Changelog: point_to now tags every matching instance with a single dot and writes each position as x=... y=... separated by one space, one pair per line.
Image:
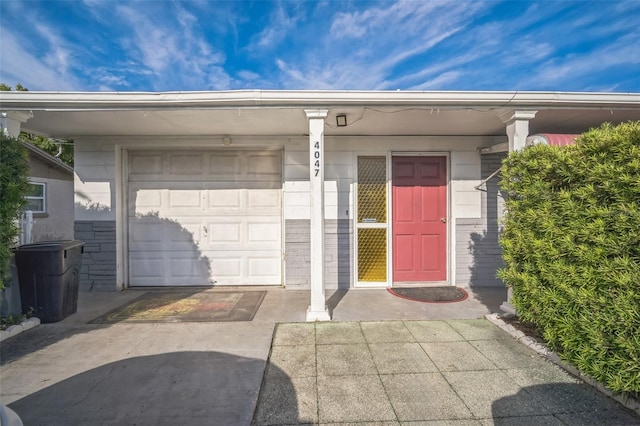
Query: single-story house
x=301 y=189
x=50 y=201
x=50 y=198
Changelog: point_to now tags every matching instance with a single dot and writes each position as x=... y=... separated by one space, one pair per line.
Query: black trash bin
x=49 y=274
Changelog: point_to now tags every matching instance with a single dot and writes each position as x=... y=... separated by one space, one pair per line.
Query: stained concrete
x=376 y=368
x=450 y=373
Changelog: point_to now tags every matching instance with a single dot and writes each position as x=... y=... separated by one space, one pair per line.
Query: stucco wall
x=57 y=222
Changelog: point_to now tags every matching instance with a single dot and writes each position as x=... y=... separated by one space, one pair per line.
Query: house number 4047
x=316 y=158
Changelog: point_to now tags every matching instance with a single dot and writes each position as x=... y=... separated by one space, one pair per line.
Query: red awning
x=554 y=139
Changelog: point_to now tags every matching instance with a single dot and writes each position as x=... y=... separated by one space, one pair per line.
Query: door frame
x=449 y=231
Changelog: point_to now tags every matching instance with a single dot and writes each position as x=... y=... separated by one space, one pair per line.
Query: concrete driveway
x=379 y=362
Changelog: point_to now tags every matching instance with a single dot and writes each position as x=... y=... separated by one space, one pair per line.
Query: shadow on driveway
x=195 y=388
x=559 y=404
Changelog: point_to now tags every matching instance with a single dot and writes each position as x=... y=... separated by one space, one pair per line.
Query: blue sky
x=102 y=45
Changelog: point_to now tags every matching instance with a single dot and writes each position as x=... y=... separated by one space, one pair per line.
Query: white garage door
x=205 y=217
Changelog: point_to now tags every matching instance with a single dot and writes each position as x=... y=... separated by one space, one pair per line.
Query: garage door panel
x=256 y=233
x=235 y=268
x=186 y=165
x=141 y=232
x=205 y=217
x=222 y=200
x=189 y=268
x=263 y=267
x=184 y=199
x=146 y=199
x=160 y=233
x=224 y=165
x=227 y=267
x=224 y=233
x=150 y=269
x=264 y=166
x=261 y=233
x=145 y=166
x=147 y=267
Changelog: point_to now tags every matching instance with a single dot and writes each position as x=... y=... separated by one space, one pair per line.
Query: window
x=372 y=219
x=36 y=198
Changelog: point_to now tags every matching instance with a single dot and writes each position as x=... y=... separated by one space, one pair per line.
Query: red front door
x=419 y=219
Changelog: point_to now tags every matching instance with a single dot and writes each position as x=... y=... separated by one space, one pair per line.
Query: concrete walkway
x=455 y=372
x=380 y=361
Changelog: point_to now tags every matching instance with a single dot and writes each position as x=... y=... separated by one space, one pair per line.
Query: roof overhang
x=259 y=112
x=48 y=159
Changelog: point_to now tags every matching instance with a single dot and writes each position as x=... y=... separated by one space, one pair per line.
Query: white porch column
x=317 y=310
x=517 y=127
x=11 y=121
x=517 y=130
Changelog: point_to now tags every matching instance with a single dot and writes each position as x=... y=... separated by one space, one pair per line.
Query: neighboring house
x=302 y=189
x=50 y=197
x=51 y=202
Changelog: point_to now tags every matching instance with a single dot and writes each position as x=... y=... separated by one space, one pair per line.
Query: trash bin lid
x=50 y=245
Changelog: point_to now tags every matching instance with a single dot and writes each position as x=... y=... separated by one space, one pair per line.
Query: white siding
x=465 y=174
x=94 y=182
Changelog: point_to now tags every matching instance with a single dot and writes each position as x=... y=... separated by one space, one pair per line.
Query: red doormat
x=174 y=306
x=445 y=294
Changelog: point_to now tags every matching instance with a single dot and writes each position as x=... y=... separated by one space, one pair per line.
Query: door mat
x=206 y=306
x=446 y=294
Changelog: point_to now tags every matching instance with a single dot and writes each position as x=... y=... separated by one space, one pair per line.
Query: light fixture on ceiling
x=341 y=120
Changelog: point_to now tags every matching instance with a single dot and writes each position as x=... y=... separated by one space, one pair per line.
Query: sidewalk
x=379 y=361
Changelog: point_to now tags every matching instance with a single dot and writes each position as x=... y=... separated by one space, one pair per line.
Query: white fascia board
x=79 y=101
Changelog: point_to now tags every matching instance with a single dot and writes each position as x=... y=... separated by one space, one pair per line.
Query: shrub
x=14 y=169
x=571 y=247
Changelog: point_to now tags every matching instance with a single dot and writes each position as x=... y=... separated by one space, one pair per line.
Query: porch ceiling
x=282 y=113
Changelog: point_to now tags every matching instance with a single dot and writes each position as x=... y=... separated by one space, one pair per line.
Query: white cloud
x=405 y=14
x=281 y=22
x=405 y=44
x=58 y=56
x=175 y=51
x=20 y=66
x=438 y=83
x=560 y=71
x=248 y=75
x=366 y=48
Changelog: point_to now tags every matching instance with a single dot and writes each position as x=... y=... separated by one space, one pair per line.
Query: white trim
x=122 y=222
x=356 y=225
x=92 y=101
x=283 y=247
x=43 y=197
x=317 y=310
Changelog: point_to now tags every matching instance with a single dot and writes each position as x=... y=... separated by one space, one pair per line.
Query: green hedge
x=571 y=247
x=14 y=169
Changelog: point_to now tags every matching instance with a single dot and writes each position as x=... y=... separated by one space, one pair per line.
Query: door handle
x=443 y=219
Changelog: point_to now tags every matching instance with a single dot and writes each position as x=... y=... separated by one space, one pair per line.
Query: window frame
x=43 y=197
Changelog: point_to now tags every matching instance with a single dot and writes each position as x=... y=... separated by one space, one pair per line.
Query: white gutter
x=84 y=101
